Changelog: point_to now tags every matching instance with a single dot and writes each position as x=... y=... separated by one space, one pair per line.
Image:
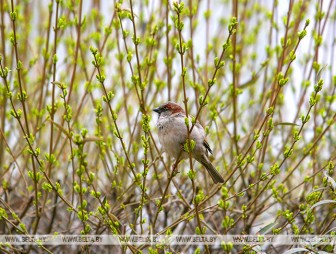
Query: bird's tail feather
x=216 y=177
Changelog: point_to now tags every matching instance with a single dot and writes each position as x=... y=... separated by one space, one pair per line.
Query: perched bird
x=173 y=134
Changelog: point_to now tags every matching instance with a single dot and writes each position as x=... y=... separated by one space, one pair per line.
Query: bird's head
x=169 y=108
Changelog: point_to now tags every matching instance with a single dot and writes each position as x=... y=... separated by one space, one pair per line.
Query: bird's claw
x=175 y=170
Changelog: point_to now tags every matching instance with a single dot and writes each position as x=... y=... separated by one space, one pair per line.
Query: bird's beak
x=157 y=110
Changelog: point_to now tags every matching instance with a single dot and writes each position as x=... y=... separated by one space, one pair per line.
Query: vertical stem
x=235 y=79
x=181 y=51
x=52 y=112
x=191 y=50
x=207 y=31
x=168 y=59
x=143 y=110
x=4 y=103
x=185 y=97
x=25 y=114
x=79 y=25
x=45 y=63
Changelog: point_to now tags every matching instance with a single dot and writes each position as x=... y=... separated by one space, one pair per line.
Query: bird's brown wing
x=206 y=145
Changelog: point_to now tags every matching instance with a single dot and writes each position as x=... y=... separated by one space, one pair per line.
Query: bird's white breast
x=173 y=135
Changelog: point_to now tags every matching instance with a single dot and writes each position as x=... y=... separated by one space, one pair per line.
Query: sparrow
x=173 y=134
